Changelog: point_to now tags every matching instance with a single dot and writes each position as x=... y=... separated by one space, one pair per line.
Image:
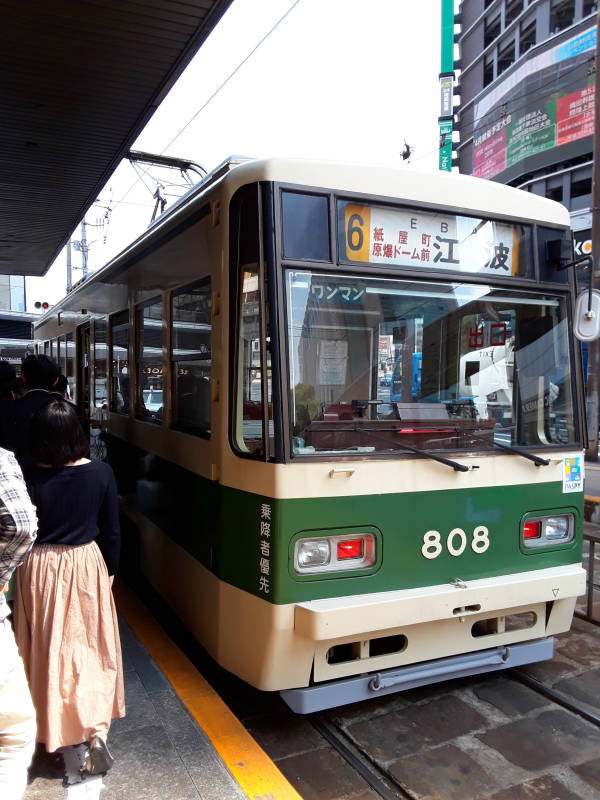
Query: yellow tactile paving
x=254 y=771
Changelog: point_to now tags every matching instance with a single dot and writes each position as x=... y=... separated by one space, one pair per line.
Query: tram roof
x=460 y=192
x=81 y=80
x=463 y=193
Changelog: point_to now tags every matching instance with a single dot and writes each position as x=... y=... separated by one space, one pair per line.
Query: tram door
x=84 y=353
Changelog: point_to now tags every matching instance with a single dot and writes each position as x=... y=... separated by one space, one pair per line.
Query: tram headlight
x=546 y=531
x=311 y=553
x=336 y=553
x=556 y=528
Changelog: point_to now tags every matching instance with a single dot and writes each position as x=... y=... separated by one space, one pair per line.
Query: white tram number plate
x=456 y=542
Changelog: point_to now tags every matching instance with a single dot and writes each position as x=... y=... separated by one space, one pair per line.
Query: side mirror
x=586 y=323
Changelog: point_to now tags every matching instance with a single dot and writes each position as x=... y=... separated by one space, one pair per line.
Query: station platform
x=178 y=741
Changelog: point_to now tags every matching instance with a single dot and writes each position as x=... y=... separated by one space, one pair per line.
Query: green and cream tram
x=317 y=536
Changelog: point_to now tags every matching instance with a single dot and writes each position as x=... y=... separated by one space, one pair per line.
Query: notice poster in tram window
x=416 y=238
x=333 y=357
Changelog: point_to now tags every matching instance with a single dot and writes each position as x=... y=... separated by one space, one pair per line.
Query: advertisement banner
x=547 y=102
x=582 y=242
x=489 y=158
x=575 y=116
x=531 y=133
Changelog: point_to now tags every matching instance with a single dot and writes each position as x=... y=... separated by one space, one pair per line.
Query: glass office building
x=12 y=293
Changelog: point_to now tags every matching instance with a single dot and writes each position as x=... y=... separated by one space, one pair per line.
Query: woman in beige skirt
x=65 y=619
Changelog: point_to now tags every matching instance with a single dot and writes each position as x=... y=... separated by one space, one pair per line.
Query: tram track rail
x=369 y=771
x=569 y=704
x=388 y=788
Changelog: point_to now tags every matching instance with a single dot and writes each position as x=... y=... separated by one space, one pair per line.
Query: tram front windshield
x=376 y=364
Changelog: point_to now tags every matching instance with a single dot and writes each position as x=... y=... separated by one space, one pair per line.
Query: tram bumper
x=367 y=686
x=369 y=633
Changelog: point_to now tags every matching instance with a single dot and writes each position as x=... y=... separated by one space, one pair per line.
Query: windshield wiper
x=539 y=462
x=447 y=461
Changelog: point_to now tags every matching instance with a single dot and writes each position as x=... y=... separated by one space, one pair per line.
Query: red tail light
x=532 y=530
x=349 y=548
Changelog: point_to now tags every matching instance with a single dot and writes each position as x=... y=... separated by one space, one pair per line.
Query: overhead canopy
x=80 y=79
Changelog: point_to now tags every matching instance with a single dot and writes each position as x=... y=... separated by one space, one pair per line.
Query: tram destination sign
x=416 y=238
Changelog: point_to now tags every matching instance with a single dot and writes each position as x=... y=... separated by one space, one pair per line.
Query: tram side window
x=250 y=391
x=100 y=364
x=62 y=355
x=191 y=357
x=549 y=241
x=70 y=365
x=249 y=411
x=119 y=355
x=150 y=338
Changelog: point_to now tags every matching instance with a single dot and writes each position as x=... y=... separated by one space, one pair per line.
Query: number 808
x=456 y=542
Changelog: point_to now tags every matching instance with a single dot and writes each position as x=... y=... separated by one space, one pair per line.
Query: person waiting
x=64 y=611
x=18 y=525
x=7 y=377
x=39 y=375
x=61 y=387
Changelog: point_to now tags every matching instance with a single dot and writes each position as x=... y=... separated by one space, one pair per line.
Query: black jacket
x=14 y=422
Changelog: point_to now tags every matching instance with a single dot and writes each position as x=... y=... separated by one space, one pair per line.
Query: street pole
x=593 y=376
x=446 y=118
x=84 y=249
x=69 y=268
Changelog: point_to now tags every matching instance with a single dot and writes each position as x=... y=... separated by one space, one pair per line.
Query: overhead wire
x=230 y=76
x=141 y=176
x=472 y=125
x=216 y=92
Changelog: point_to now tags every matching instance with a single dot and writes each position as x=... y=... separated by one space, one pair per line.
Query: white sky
x=337 y=79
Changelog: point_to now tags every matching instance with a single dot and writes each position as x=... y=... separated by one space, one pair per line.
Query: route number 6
x=456 y=542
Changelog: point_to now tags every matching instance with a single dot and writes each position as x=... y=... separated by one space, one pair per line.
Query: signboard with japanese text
x=575 y=115
x=530 y=134
x=545 y=103
x=489 y=157
x=446 y=85
x=333 y=359
x=416 y=238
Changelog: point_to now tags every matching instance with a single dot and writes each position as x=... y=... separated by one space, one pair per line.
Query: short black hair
x=56 y=436
x=40 y=372
x=61 y=384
